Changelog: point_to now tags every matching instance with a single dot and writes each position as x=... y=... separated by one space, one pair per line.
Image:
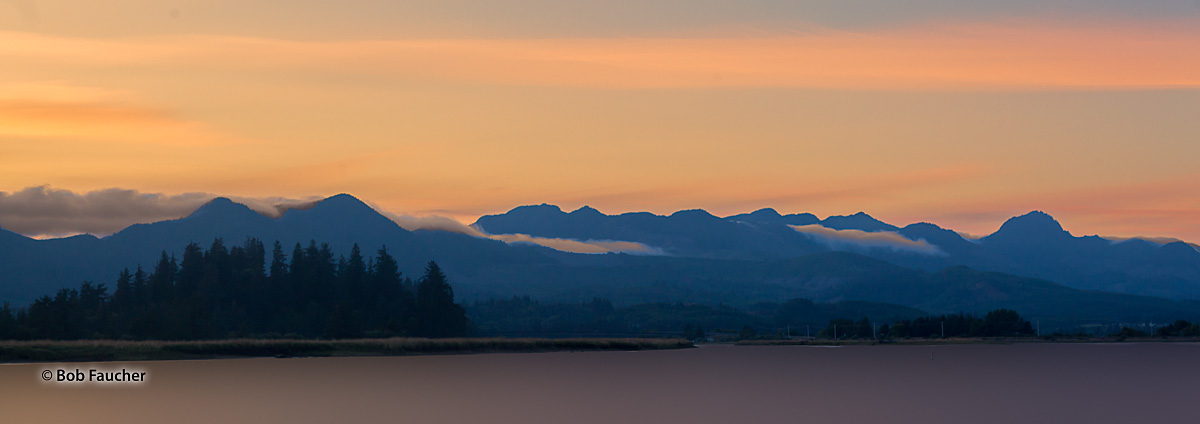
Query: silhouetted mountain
x=735 y=261
x=1034 y=227
x=858 y=221
x=949 y=241
x=35 y=267
x=770 y=216
x=1032 y=245
x=693 y=233
x=833 y=277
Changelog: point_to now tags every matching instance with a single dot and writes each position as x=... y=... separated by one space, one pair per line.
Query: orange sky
x=963 y=121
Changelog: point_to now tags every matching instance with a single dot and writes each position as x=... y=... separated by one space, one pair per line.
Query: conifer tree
x=437 y=314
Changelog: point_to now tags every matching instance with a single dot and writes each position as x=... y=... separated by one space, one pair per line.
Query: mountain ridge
x=713 y=259
x=1033 y=245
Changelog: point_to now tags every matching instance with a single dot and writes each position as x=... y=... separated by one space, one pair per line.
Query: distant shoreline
x=119 y=350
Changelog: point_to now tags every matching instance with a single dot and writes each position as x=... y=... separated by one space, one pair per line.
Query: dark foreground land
x=113 y=350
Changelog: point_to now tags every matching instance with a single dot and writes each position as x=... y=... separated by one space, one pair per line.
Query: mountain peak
x=544 y=208
x=342 y=200
x=858 y=221
x=770 y=216
x=1036 y=222
x=764 y=215
x=692 y=214
x=1180 y=250
x=340 y=206
x=220 y=205
x=342 y=196
x=587 y=211
x=766 y=212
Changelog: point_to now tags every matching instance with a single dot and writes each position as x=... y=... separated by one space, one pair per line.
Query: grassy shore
x=115 y=350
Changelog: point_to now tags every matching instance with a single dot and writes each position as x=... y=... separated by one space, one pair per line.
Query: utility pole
x=943 y=329
x=807 y=335
x=1039 y=328
x=835 y=331
x=873 y=334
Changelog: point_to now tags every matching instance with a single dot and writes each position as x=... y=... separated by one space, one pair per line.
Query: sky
x=960 y=113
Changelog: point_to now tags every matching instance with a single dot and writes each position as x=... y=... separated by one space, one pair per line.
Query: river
x=1022 y=383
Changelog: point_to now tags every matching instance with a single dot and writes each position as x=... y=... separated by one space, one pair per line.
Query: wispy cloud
x=49 y=212
x=578 y=246
x=55 y=109
x=441 y=223
x=969 y=55
x=45 y=211
x=1155 y=240
x=858 y=240
x=429 y=222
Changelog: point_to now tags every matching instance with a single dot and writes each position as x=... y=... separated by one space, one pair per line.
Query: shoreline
x=69 y=351
x=50 y=351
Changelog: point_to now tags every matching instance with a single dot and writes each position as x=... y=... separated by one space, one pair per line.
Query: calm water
x=1116 y=383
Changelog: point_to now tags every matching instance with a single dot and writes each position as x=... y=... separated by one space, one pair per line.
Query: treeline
x=523 y=316
x=232 y=292
x=796 y=318
x=997 y=323
x=1180 y=328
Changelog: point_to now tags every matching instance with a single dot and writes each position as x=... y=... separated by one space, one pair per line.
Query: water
x=1051 y=383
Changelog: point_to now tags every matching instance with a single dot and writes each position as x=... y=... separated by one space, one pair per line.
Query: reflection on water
x=712 y=384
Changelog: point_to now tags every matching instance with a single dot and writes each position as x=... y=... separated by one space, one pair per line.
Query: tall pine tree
x=437 y=314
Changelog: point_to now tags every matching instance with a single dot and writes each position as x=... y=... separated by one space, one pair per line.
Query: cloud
x=577 y=246
x=274 y=207
x=55 y=109
x=441 y=223
x=1155 y=240
x=430 y=222
x=44 y=211
x=968 y=55
x=862 y=240
x=971 y=237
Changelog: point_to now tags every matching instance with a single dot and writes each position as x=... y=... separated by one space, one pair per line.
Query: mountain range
x=1031 y=245
x=1031 y=264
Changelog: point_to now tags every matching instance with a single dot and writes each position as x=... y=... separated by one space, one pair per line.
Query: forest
x=997 y=323
x=239 y=292
x=232 y=292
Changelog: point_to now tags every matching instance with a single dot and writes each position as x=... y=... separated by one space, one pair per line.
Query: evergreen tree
x=191 y=272
x=279 y=265
x=437 y=314
x=353 y=274
x=391 y=304
x=9 y=328
x=226 y=292
x=138 y=288
x=162 y=281
x=123 y=298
